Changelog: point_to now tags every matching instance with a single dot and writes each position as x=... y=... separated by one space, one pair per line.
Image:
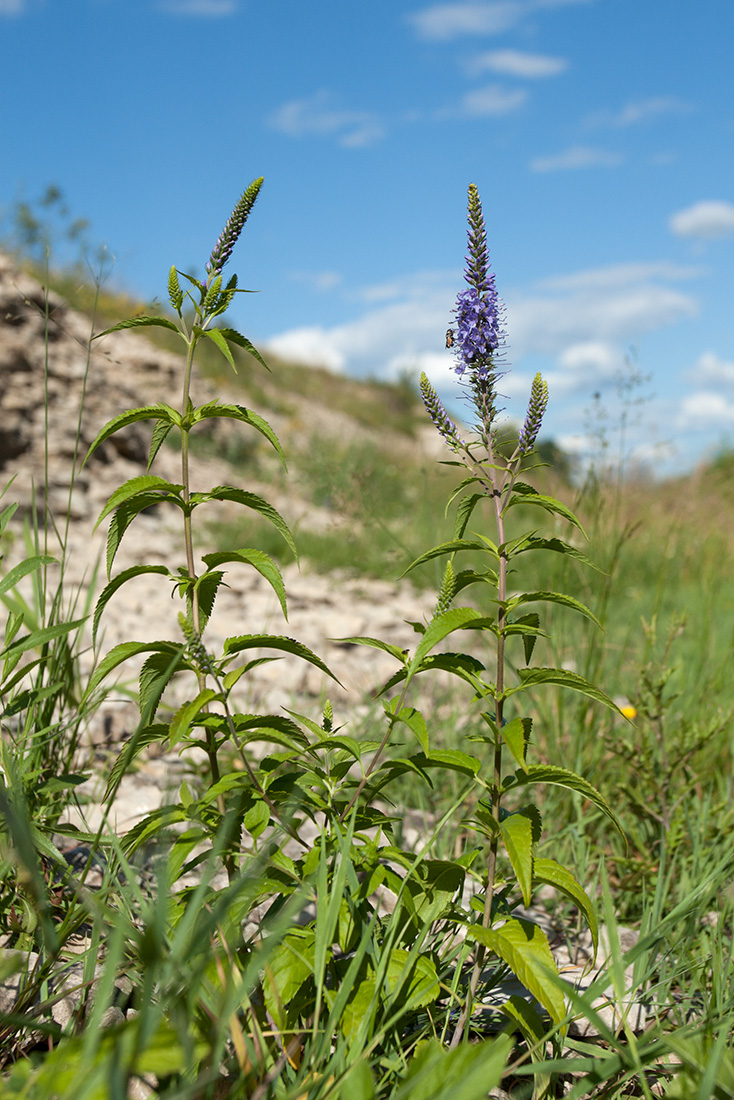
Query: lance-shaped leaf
x=232 y=336
x=554 y=874
x=525 y=949
x=412 y=718
x=141 y=322
x=557 y=546
x=464 y=510
x=213 y=409
x=553 y=597
x=29 y=565
x=121 y=520
x=160 y=412
x=516 y=735
x=141 y=738
x=377 y=643
x=186 y=715
x=264 y=564
x=456 y=618
x=122 y=653
x=40 y=637
x=117 y=582
x=279 y=642
x=562 y=777
x=451 y=547
x=155 y=675
x=249 y=500
x=521 y=832
x=525 y=494
x=532 y=677
x=147 y=485
x=467 y=668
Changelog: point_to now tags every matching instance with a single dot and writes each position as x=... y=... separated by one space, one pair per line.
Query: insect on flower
x=449 y=337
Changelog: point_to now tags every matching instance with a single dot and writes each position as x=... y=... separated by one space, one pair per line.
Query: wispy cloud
x=706 y=409
x=493 y=100
x=581 y=322
x=12 y=7
x=527 y=66
x=712 y=370
x=476 y=17
x=639 y=111
x=207 y=9
x=316 y=280
x=578 y=156
x=315 y=115
x=707 y=220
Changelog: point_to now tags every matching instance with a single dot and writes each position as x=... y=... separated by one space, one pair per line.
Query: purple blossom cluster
x=477 y=334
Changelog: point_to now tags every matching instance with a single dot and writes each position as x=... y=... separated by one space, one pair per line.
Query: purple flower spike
x=477 y=333
x=439 y=416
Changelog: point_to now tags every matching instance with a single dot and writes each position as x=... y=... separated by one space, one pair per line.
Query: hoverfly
x=449 y=337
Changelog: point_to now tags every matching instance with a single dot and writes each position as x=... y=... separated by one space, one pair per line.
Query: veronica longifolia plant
x=507 y=822
x=197 y=311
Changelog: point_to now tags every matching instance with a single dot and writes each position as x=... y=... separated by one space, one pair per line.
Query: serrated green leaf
x=276 y=641
x=453 y=759
x=553 y=597
x=456 y=618
x=264 y=564
x=377 y=643
x=525 y=949
x=520 y=832
x=526 y=494
x=451 y=547
x=109 y=590
x=157 y=439
x=413 y=719
x=234 y=337
x=516 y=735
x=250 y=500
x=142 y=737
x=532 y=677
x=554 y=874
x=213 y=409
x=119 y=655
x=155 y=675
x=160 y=412
x=140 y=322
x=121 y=519
x=184 y=717
x=562 y=777
x=144 y=485
x=557 y=546
x=216 y=337
x=464 y=510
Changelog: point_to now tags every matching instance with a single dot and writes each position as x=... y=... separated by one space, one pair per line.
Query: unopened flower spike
x=235 y=223
x=534 y=418
x=439 y=416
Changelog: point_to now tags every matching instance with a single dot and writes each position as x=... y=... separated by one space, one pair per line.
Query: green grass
x=666 y=603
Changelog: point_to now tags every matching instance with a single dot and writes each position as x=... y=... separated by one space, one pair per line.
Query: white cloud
x=706 y=409
x=641 y=110
x=621 y=275
x=444 y=21
x=596 y=355
x=709 y=368
x=12 y=7
x=578 y=156
x=316 y=280
x=211 y=9
x=585 y=321
x=493 y=100
x=708 y=219
x=315 y=115
x=529 y=66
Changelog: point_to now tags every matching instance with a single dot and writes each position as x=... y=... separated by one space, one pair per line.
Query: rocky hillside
x=124 y=370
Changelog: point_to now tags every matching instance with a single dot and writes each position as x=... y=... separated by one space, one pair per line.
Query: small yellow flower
x=629 y=711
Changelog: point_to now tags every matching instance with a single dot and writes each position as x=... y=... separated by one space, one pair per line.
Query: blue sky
x=599 y=132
